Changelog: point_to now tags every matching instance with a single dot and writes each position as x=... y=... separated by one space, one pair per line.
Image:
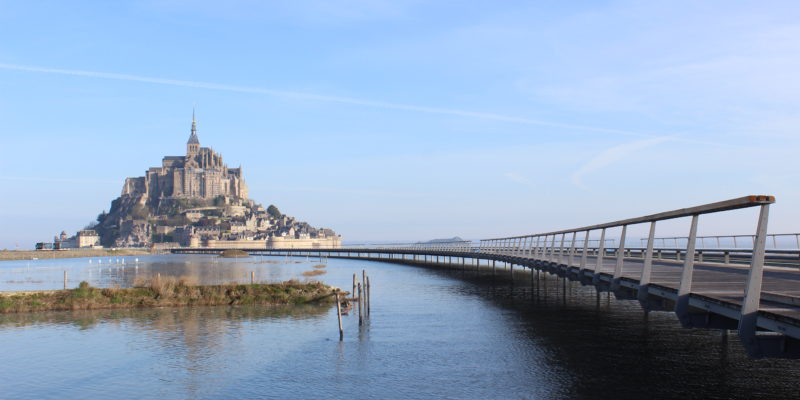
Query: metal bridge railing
x=550 y=246
x=777 y=240
x=455 y=245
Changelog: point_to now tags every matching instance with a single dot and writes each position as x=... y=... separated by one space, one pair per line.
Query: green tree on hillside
x=274 y=212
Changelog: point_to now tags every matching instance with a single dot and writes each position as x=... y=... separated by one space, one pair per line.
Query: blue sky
x=406 y=120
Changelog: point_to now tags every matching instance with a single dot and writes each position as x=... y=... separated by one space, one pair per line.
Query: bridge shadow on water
x=613 y=349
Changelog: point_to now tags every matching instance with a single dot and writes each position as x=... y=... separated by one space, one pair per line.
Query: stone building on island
x=201 y=174
x=197 y=200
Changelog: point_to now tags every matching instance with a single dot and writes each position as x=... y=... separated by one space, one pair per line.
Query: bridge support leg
x=685 y=288
x=647 y=266
x=752 y=292
x=620 y=259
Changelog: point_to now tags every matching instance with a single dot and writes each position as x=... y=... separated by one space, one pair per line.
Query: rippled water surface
x=432 y=334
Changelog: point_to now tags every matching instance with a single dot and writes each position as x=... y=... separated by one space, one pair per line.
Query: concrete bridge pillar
x=647 y=266
x=685 y=287
x=752 y=292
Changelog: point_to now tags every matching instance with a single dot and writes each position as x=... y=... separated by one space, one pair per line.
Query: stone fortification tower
x=193 y=145
x=201 y=174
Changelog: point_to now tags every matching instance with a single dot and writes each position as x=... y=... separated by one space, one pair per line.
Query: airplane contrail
x=322 y=97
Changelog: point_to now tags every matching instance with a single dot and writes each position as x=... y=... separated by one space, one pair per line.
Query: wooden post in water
x=65 y=279
x=339 y=316
x=252 y=277
x=369 y=293
x=365 y=292
x=353 y=293
x=360 y=313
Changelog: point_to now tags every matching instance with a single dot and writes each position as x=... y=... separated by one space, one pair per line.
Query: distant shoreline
x=8 y=255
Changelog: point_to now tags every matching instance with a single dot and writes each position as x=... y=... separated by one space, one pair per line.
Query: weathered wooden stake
x=365 y=291
x=339 y=316
x=369 y=293
x=353 y=293
x=65 y=279
x=360 y=313
x=252 y=277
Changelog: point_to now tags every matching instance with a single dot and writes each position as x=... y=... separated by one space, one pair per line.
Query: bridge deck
x=722 y=282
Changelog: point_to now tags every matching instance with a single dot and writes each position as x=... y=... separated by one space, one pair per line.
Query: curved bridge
x=755 y=291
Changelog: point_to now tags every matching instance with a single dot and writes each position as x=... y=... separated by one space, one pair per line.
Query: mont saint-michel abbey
x=194 y=200
x=201 y=173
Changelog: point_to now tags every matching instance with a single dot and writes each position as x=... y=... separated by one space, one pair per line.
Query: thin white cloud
x=359 y=192
x=614 y=154
x=515 y=177
x=322 y=97
x=47 y=179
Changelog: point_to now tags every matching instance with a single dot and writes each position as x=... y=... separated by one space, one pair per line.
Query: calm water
x=432 y=334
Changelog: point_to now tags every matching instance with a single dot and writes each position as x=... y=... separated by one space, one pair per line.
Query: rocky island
x=194 y=200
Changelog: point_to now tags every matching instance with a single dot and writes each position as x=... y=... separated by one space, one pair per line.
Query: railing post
x=572 y=249
x=561 y=250
x=585 y=251
x=601 y=249
x=748 y=319
x=543 y=248
x=647 y=265
x=685 y=287
x=529 y=249
x=620 y=259
x=553 y=249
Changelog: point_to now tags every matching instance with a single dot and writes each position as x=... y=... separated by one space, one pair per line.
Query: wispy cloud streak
x=613 y=155
x=60 y=180
x=357 y=192
x=322 y=97
x=516 y=177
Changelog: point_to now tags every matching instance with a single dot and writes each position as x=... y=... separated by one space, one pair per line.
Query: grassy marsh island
x=167 y=292
x=234 y=253
x=6 y=255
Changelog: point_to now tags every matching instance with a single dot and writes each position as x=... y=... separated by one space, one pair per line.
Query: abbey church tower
x=201 y=174
x=193 y=145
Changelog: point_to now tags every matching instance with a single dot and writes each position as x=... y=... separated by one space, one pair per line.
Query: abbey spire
x=193 y=145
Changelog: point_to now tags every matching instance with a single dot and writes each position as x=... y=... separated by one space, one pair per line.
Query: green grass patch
x=168 y=292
